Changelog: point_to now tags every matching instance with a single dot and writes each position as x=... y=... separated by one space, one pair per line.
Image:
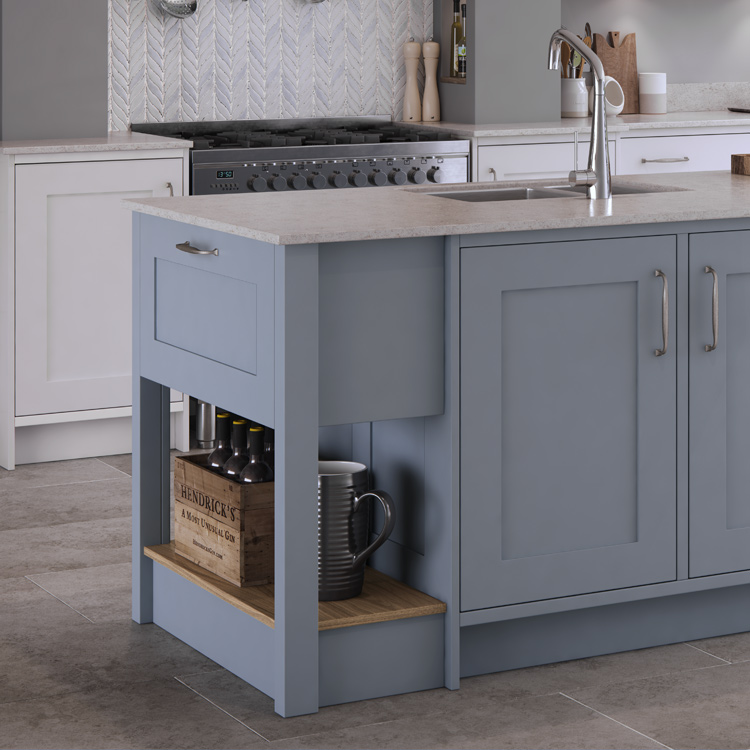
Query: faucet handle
x=582 y=177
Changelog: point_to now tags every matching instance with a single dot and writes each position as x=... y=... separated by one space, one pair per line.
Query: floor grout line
x=223 y=710
x=703 y=651
x=69 y=484
x=113 y=467
x=28 y=578
x=591 y=708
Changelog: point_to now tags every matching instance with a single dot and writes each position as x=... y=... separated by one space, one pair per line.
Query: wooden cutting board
x=619 y=61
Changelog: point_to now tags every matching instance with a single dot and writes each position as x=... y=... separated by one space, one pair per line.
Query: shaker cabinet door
x=719 y=403
x=73 y=280
x=568 y=449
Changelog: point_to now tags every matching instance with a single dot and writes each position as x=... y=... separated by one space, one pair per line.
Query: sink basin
x=616 y=189
x=535 y=193
x=502 y=194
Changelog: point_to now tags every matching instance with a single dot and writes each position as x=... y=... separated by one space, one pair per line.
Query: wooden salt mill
x=412 y=103
x=431 y=101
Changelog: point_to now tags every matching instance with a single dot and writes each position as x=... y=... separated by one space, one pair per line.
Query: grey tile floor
x=76 y=672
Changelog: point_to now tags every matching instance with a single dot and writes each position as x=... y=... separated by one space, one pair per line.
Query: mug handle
x=390 y=521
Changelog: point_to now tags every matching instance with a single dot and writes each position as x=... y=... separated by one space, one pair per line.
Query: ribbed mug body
x=342 y=532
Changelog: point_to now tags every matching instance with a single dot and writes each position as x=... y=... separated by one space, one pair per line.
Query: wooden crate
x=221 y=525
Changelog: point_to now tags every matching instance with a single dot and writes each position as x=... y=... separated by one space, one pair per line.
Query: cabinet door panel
x=567 y=420
x=720 y=405
x=73 y=280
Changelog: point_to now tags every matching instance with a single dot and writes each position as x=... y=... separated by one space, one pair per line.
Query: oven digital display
x=225 y=174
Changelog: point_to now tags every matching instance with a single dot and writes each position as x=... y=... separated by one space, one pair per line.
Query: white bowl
x=614 y=97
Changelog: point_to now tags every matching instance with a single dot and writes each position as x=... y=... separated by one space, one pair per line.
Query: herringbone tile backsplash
x=253 y=59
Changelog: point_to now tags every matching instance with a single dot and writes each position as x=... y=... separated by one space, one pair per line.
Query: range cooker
x=246 y=156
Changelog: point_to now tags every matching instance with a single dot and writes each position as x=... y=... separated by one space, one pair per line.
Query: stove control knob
x=337 y=180
x=418 y=176
x=316 y=180
x=397 y=177
x=435 y=175
x=258 y=184
x=297 y=182
x=278 y=182
x=358 y=179
x=378 y=179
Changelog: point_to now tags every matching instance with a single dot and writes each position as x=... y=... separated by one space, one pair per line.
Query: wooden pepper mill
x=412 y=103
x=431 y=101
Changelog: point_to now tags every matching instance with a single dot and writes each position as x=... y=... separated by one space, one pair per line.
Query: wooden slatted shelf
x=382 y=598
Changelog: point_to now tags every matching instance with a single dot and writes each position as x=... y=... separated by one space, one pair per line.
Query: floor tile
x=123 y=462
x=57 y=472
x=28 y=507
x=256 y=710
x=539 y=722
x=730 y=647
x=101 y=594
x=65 y=546
x=25 y=608
x=160 y=714
x=88 y=656
x=581 y=673
x=705 y=708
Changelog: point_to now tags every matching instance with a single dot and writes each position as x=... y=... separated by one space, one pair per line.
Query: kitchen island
x=553 y=391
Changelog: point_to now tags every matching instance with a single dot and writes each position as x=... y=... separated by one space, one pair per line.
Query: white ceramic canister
x=573 y=97
x=652 y=93
x=614 y=97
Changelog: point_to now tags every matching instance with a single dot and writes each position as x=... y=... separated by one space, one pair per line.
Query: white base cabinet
x=69 y=392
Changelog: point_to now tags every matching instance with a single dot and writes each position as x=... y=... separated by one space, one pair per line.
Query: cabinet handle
x=171 y=190
x=664 y=314
x=186 y=247
x=492 y=171
x=666 y=160
x=714 y=309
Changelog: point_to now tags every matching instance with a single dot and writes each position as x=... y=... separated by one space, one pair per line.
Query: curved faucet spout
x=597 y=176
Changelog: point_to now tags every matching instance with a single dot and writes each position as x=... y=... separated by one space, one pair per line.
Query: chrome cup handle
x=390 y=521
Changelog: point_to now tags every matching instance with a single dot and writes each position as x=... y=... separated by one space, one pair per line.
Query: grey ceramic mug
x=343 y=521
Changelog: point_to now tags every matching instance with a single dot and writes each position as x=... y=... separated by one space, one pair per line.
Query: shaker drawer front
x=210 y=315
x=185 y=322
x=687 y=153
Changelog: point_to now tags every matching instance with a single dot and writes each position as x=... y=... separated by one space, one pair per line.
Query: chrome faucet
x=596 y=176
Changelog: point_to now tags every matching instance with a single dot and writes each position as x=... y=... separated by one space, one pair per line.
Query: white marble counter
x=341 y=215
x=621 y=124
x=116 y=141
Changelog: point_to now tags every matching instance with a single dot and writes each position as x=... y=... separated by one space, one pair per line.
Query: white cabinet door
x=684 y=153
x=73 y=280
x=533 y=161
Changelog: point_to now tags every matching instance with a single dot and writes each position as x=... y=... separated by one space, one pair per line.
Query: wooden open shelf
x=382 y=597
x=452 y=79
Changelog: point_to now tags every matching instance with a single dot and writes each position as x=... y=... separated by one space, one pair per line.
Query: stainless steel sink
x=616 y=189
x=502 y=194
x=536 y=193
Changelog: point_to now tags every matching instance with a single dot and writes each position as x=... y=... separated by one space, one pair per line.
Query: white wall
x=693 y=41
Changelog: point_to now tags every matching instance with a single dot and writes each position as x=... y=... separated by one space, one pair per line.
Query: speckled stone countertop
x=345 y=215
x=621 y=124
x=117 y=141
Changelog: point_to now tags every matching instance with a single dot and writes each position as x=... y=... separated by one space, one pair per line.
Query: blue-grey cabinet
x=568 y=442
x=719 y=403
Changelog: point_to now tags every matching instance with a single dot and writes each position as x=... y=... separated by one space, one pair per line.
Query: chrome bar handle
x=666 y=160
x=186 y=247
x=714 y=309
x=492 y=171
x=664 y=314
x=171 y=190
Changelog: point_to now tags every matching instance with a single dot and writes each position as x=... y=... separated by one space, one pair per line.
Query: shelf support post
x=296 y=436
